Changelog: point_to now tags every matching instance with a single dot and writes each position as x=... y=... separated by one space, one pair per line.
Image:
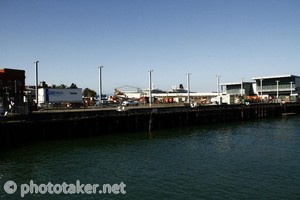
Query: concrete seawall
x=19 y=130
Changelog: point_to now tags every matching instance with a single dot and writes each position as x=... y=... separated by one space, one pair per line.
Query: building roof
x=236 y=83
x=128 y=89
x=272 y=77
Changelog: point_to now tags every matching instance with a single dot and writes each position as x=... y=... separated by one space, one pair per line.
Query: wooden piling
x=44 y=126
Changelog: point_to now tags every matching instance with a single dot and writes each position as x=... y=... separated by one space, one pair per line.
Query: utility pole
x=100 y=84
x=277 y=90
x=261 y=87
x=291 y=87
x=150 y=87
x=36 y=82
x=188 y=87
x=242 y=79
x=218 y=84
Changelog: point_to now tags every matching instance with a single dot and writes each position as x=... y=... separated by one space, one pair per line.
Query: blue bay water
x=242 y=160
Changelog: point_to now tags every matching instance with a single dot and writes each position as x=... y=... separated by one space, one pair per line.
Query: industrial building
x=238 y=88
x=283 y=88
x=127 y=91
x=280 y=86
x=12 y=86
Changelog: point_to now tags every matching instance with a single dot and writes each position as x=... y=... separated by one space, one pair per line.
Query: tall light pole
x=291 y=87
x=277 y=90
x=100 y=83
x=242 y=79
x=188 y=87
x=218 y=84
x=150 y=86
x=261 y=92
x=36 y=82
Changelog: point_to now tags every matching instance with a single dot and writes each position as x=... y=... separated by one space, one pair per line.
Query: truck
x=69 y=97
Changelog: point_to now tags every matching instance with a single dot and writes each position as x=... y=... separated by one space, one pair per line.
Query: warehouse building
x=12 y=86
x=279 y=87
x=238 y=88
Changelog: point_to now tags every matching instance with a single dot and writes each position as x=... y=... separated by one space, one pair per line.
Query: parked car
x=130 y=103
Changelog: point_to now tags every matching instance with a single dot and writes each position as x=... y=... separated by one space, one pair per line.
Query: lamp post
x=15 y=82
x=188 y=87
x=150 y=86
x=100 y=84
x=277 y=90
x=218 y=84
x=242 y=79
x=36 y=82
x=16 y=95
x=261 y=93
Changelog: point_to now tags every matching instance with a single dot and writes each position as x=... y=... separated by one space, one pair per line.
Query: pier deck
x=46 y=125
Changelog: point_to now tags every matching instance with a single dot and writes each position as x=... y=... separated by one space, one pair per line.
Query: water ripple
x=247 y=160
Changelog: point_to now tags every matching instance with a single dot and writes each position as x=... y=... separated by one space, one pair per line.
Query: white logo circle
x=10 y=187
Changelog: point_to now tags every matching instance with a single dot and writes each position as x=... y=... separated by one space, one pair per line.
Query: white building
x=282 y=85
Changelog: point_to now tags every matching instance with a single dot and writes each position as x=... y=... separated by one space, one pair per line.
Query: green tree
x=62 y=86
x=73 y=86
x=89 y=93
x=53 y=86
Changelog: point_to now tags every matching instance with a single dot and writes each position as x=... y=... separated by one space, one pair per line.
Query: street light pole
x=188 y=86
x=277 y=90
x=36 y=82
x=100 y=83
x=261 y=92
x=150 y=86
x=242 y=86
x=218 y=84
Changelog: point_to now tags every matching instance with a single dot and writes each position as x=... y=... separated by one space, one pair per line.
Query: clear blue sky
x=71 y=38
